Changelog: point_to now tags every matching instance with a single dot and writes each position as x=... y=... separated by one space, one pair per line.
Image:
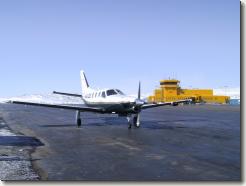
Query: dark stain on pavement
x=19 y=141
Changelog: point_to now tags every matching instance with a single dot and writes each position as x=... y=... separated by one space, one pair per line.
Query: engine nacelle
x=136 y=108
x=175 y=104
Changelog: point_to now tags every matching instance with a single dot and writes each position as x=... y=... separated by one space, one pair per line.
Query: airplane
x=106 y=101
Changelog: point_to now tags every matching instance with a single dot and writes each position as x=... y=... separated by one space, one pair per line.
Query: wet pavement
x=193 y=142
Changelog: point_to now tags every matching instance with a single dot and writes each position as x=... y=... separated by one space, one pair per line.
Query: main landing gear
x=135 y=121
x=78 y=119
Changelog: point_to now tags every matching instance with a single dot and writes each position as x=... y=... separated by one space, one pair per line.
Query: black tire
x=135 y=121
x=79 y=122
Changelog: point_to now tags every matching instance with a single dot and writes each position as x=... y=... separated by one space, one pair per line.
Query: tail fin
x=84 y=82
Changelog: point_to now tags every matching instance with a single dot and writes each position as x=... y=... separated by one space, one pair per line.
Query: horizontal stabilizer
x=67 y=94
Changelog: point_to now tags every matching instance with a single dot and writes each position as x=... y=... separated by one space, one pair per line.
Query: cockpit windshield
x=120 y=92
x=111 y=92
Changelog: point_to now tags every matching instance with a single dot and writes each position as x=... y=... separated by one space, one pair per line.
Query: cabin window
x=111 y=92
x=95 y=94
x=103 y=94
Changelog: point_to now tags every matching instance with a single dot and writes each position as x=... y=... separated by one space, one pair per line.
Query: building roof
x=169 y=81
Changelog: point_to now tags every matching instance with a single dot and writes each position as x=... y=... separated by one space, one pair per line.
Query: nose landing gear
x=129 y=122
x=135 y=121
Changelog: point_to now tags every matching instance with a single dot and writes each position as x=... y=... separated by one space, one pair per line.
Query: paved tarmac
x=192 y=143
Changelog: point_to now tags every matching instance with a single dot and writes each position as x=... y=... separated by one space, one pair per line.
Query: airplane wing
x=88 y=109
x=175 y=103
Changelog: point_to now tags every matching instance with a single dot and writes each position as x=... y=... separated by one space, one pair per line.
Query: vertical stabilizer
x=84 y=83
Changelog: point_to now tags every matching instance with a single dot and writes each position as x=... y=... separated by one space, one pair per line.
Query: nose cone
x=139 y=102
x=133 y=100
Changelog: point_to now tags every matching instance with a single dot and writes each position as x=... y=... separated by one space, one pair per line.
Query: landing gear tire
x=135 y=121
x=79 y=122
x=129 y=121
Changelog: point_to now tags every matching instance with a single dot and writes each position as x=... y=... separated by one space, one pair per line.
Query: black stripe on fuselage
x=112 y=107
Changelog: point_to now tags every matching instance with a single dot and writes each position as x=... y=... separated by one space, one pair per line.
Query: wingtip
x=8 y=101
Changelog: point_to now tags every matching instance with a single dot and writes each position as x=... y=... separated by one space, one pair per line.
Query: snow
x=6 y=132
x=234 y=93
x=45 y=98
x=51 y=99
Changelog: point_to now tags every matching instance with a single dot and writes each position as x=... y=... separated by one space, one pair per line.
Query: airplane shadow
x=107 y=121
x=170 y=124
x=182 y=120
x=144 y=124
x=19 y=141
x=156 y=125
x=58 y=125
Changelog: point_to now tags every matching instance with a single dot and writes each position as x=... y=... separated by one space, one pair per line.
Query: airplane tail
x=84 y=83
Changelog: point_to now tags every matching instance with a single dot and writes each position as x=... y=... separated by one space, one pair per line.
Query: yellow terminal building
x=171 y=91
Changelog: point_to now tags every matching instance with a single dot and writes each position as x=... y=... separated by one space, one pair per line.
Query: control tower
x=170 y=87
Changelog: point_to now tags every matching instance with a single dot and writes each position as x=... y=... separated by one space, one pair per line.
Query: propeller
x=139 y=90
x=139 y=103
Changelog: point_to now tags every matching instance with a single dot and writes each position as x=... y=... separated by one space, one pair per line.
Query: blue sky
x=45 y=43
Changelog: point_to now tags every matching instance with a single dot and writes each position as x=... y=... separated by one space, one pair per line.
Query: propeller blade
x=139 y=90
x=138 y=101
x=138 y=120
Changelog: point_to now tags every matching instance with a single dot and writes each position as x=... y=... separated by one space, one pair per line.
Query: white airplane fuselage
x=111 y=100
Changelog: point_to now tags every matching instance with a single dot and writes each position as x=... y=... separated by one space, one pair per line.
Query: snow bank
x=45 y=98
x=234 y=93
